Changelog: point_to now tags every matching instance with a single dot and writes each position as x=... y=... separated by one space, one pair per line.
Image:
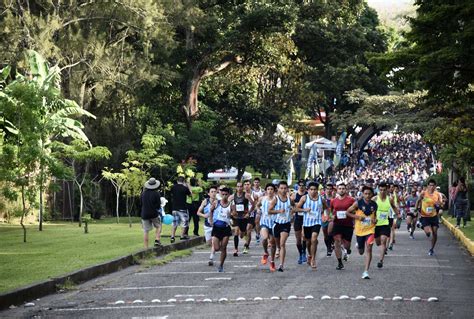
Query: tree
x=79 y=155
x=118 y=180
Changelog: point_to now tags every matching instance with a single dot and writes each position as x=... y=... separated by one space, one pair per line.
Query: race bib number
x=341 y=214
x=412 y=209
x=429 y=210
x=367 y=221
x=223 y=215
x=239 y=207
x=383 y=216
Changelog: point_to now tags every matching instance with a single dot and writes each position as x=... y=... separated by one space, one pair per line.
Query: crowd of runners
x=274 y=212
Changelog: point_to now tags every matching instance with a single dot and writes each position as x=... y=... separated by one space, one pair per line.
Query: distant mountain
x=392 y=12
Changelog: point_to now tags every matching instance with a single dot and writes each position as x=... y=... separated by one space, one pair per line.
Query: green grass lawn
x=63 y=247
x=468 y=230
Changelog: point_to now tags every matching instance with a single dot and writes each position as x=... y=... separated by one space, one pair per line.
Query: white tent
x=322 y=144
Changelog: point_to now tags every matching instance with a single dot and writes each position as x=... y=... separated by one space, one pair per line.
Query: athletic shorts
x=241 y=223
x=325 y=224
x=270 y=229
x=251 y=221
x=390 y=222
x=180 y=216
x=412 y=215
x=281 y=228
x=298 y=223
x=148 y=224
x=221 y=232
x=345 y=231
x=382 y=230
x=429 y=221
x=207 y=232
x=361 y=240
x=309 y=230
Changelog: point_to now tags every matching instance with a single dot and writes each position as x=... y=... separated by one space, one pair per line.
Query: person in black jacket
x=150 y=214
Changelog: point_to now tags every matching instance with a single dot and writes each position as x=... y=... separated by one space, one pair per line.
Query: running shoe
x=272 y=266
x=340 y=266
x=345 y=256
x=390 y=247
x=304 y=258
x=245 y=251
x=172 y=240
x=329 y=253
x=258 y=239
x=264 y=259
x=220 y=269
x=280 y=269
x=300 y=259
x=236 y=253
x=380 y=264
x=365 y=275
x=411 y=236
x=211 y=262
x=431 y=252
x=157 y=243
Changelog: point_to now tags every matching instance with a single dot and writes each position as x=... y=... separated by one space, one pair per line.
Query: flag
x=339 y=148
x=312 y=159
x=291 y=171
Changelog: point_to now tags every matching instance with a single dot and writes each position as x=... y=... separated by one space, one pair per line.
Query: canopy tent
x=322 y=144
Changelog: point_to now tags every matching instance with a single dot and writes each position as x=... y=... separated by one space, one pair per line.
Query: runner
x=342 y=228
x=251 y=215
x=411 y=212
x=365 y=220
x=240 y=215
x=281 y=206
x=266 y=226
x=220 y=222
x=382 y=228
x=328 y=239
x=394 y=221
x=298 y=222
x=427 y=203
x=204 y=210
x=313 y=206
x=257 y=192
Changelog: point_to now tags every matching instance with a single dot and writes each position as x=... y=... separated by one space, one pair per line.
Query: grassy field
x=63 y=247
x=468 y=230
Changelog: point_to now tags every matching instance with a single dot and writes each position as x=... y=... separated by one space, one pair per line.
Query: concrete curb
x=50 y=286
x=466 y=242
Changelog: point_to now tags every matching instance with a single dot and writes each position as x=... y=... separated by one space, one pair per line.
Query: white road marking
x=156 y=301
x=275 y=298
x=360 y=297
x=432 y=299
x=240 y=299
x=325 y=297
x=308 y=297
x=207 y=300
x=415 y=299
x=199 y=295
x=397 y=298
x=218 y=278
x=292 y=297
x=205 y=262
x=223 y=299
x=118 y=302
x=114 y=308
x=152 y=287
x=138 y=301
x=245 y=266
x=180 y=273
x=378 y=298
x=344 y=297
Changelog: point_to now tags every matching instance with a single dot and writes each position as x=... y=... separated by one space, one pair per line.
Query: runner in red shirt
x=343 y=225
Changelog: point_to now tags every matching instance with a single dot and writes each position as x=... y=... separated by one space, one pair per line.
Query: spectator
x=179 y=192
x=193 y=202
x=461 y=207
x=150 y=213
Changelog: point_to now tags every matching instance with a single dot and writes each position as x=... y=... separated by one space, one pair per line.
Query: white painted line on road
x=118 y=302
x=205 y=262
x=156 y=301
x=114 y=308
x=344 y=297
x=218 y=278
x=292 y=297
x=223 y=299
x=199 y=295
x=245 y=266
x=207 y=300
x=171 y=300
x=415 y=299
x=152 y=287
x=240 y=299
x=432 y=299
x=189 y=300
x=325 y=297
x=378 y=298
x=258 y=299
x=397 y=298
x=360 y=297
x=180 y=273
x=138 y=301
x=275 y=298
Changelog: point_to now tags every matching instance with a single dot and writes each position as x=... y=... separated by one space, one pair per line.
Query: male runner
x=382 y=227
x=281 y=206
x=251 y=215
x=328 y=239
x=365 y=220
x=342 y=228
x=219 y=217
x=298 y=222
x=313 y=206
x=240 y=214
x=257 y=192
x=204 y=211
x=411 y=212
x=266 y=225
x=394 y=221
x=426 y=204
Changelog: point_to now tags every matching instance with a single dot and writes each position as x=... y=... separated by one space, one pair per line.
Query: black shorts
x=221 y=232
x=390 y=222
x=429 y=221
x=361 y=240
x=242 y=224
x=269 y=229
x=251 y=221
x=345 y=231
x=382 y=230
x=298 y=223
x=280 y=228
x=412 y=215
x=308 y=231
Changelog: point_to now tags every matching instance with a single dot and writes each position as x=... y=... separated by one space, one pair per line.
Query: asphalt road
x=189 y=288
